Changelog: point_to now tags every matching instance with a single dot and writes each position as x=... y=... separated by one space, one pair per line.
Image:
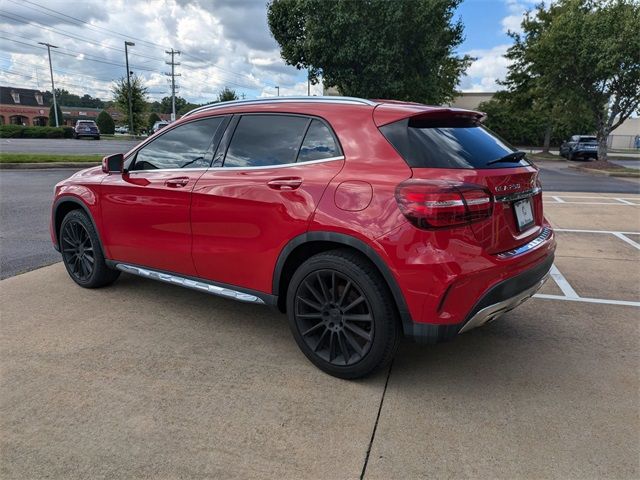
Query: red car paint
x=233 y=226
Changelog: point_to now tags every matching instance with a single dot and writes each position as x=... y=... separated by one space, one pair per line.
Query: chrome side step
x=199 y=285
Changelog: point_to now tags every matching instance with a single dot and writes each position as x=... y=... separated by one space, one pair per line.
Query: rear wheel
x=81 y=252
x=342 y=314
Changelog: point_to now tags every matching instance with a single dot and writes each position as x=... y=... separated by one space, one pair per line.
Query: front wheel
x=342 y=314
x=81 y=252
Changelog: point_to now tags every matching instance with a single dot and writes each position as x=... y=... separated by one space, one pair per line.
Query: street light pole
x=53 y=88
x=126 y=55
x=278 y=89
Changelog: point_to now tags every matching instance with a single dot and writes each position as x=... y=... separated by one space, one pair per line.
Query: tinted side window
x=186 y=146
x=318 y=143
x=448 y=145
x=263 y=140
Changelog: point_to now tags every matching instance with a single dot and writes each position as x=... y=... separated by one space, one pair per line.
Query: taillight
x=435 y=204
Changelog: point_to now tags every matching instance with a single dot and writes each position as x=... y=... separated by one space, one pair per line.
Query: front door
x=272 y=178
x=147 y=208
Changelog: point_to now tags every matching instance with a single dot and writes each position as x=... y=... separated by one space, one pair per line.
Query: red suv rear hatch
x=458 y=163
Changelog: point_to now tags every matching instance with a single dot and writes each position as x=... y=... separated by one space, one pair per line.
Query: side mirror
x=113 y=163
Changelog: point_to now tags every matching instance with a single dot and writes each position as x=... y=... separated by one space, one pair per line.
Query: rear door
x=147 y=208
x=459 y=149
x=269 y=175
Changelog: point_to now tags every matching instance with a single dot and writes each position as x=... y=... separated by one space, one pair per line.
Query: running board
x=199 y=285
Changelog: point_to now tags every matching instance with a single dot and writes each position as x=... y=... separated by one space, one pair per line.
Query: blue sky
x=223 y=43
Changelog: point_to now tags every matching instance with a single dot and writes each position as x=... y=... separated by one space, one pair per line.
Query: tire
x=81 y=252
x=98 y=137
x=342 y=314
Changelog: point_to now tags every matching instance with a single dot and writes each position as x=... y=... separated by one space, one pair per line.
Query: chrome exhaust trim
x=189 y=283
x=492 y=312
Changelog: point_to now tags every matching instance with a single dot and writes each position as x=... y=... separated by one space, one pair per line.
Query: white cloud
x=517 y=9
x=223 y=43
x=483 y=74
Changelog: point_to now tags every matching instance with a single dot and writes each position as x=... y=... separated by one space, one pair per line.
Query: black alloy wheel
x=342 y=314
x=77 y=250
x=334 y=317
x=82 y=252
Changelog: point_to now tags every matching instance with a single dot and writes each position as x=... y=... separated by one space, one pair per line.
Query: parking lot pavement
x=557 y=176
x=61 y=146
x=146 y=379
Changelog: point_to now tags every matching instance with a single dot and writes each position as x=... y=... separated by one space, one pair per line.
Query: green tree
x=105 y=123
x=227 y=95
x=585 y=54
x=138 y=101
x=52 y=116
x=152 y=119
x=375 y=49
x=165 y=104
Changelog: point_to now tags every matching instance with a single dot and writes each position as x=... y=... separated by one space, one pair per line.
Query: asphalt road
x=25 y=202
x=81 y=146
x=148 y=380
x=558 y=177
x=26 y=195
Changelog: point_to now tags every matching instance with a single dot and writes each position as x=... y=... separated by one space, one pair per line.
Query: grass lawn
x=8 y=157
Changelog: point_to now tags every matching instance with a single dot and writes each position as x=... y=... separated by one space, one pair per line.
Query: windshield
x=588 y=140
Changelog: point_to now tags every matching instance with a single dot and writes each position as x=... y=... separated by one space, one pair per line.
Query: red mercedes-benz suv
x=360 y=219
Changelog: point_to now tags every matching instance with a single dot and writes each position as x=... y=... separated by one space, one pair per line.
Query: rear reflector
x=434 y=204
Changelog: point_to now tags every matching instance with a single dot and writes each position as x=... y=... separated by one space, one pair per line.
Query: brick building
x=22 y=106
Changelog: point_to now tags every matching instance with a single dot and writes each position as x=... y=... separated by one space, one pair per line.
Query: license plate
x=524 y=213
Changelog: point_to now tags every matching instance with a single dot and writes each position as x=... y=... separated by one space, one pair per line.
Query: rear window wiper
x=512 y=157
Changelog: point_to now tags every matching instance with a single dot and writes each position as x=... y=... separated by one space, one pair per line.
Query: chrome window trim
x=527 y=247
x=258 y=167
x=512 y=197
x=298 y=99
x=198 y=169
x=283 y=165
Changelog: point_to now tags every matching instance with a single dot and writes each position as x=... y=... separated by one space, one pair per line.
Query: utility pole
x=126 y=56
x=53 y=88
x=278 y=89
x=308 y=84
x=173 y=76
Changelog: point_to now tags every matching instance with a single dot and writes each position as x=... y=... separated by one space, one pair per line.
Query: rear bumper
x=499 y=299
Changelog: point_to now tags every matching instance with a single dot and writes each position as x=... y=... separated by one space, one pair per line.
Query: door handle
x=285 y=184
x=177 y=182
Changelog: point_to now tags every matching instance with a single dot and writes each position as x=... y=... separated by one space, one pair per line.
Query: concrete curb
x=606 y=173
x=35 y=166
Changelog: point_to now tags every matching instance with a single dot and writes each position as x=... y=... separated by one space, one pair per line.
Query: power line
x=94 y=27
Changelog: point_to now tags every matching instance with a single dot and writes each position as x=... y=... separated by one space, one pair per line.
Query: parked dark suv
x=362 y=220
x=580 y=147
x=86 y=128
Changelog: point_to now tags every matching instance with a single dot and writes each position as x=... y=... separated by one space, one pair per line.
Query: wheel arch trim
x=73 y=199
x=357 y=244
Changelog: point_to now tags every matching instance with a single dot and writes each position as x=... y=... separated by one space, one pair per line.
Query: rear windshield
x=86 y=122
x=449 y=144
x=588 y=140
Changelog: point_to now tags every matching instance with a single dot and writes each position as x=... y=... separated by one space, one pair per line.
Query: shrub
x=105 y=123
x=11 y=131
x=52 y=116
x=18 y=131
x=152 y=119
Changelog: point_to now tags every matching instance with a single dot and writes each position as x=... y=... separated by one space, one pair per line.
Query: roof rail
x=324 y=99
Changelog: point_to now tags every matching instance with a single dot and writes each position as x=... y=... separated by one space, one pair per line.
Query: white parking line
x=558 y=200
x=567 y=289
x=567 y=199
x=626 y=202
x=621 y=236
x=587 y=300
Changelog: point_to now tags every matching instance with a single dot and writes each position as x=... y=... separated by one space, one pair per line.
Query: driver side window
x=186 y=146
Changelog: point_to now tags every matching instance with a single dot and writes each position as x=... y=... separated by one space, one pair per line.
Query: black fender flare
x=71 y=199
x=357 y=244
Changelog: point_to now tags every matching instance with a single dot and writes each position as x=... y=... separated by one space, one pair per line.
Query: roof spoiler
x=386 y=113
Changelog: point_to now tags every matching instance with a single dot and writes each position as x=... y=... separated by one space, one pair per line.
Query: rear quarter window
x=448 y=144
